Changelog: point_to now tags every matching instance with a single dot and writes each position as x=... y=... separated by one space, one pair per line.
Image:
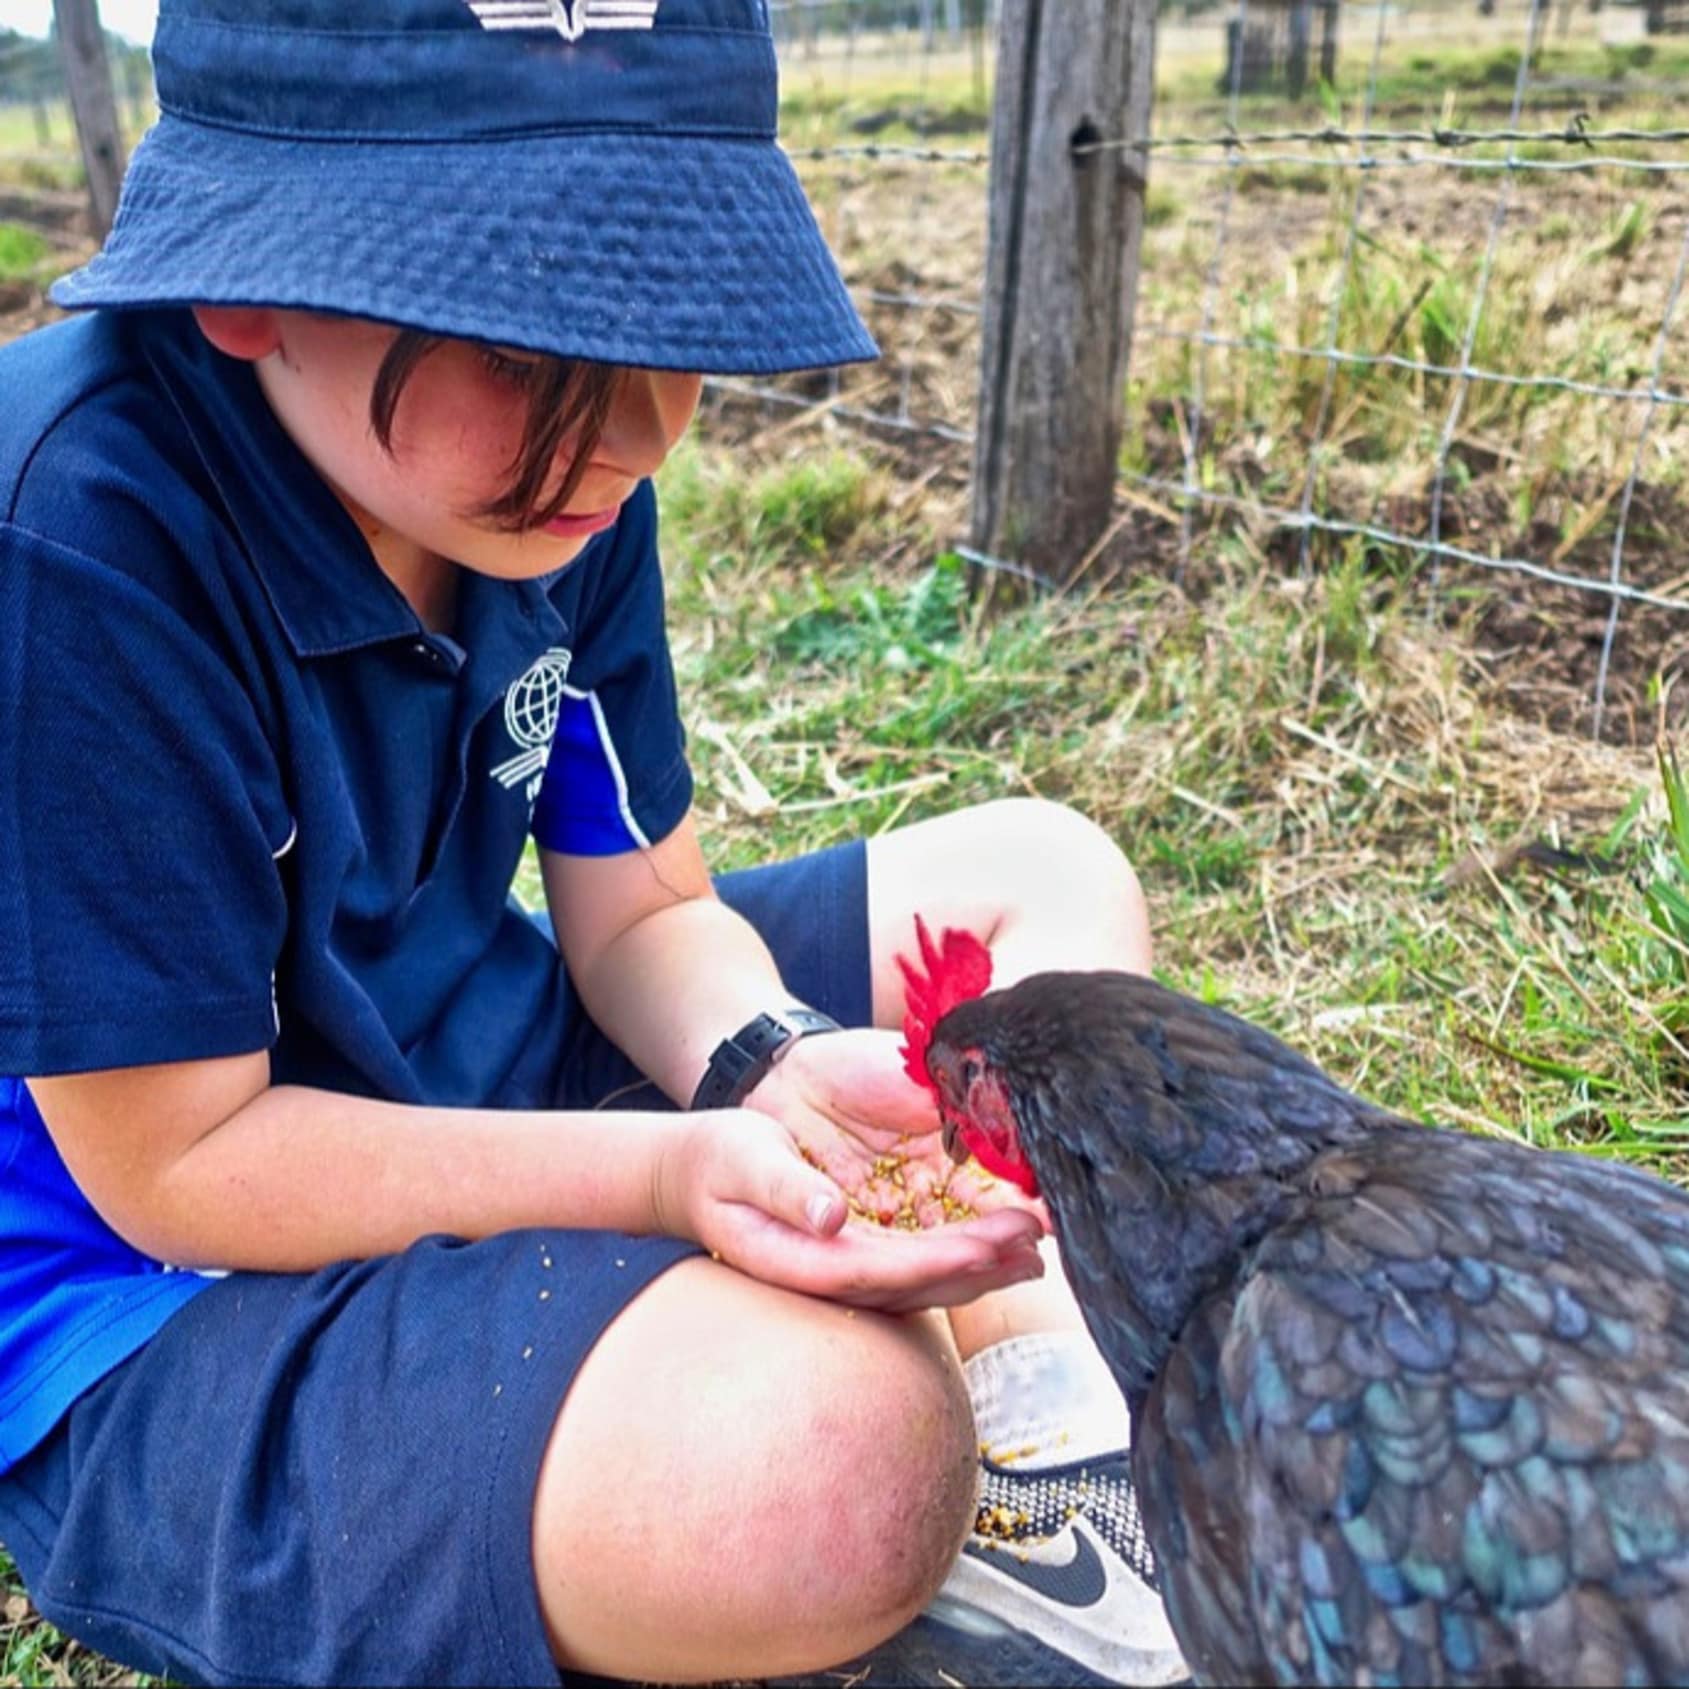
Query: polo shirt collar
x=327 y=589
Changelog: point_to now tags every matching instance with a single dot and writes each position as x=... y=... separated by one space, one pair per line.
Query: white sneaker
x=1059 y=1555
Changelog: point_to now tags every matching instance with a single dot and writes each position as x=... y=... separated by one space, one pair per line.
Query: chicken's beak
x=952 y=1140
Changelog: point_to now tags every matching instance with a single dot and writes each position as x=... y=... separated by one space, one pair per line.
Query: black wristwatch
x=739 y=1063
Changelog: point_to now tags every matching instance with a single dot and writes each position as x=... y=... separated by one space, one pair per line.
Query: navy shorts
x=329 y=1477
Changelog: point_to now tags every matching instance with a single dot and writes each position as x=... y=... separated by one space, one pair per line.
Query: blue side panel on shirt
x=581 y=809
x=75 y=1299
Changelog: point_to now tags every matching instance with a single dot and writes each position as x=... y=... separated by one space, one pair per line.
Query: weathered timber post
x=92 y=103
x=1074 y=81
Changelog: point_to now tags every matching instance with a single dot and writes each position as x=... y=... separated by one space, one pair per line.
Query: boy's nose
x=648 y=414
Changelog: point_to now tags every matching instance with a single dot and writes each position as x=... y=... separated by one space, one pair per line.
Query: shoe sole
x=929 y=1654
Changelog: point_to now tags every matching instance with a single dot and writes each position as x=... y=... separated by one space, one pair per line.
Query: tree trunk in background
x=1067 y=218
x=88 y=79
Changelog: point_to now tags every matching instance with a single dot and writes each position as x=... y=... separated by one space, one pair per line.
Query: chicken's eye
x=970 y=1072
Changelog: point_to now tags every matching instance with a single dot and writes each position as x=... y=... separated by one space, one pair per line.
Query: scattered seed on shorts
x=498 y=1389
x=545 y=1295
x=620 y=1262
x=527 y=1354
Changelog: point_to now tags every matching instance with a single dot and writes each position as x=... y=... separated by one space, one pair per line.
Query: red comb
x=953 y=970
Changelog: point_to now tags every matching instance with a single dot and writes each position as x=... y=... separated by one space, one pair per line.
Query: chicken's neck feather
x=1145 y=1238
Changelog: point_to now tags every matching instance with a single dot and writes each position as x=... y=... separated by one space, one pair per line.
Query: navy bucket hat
x=587 y=178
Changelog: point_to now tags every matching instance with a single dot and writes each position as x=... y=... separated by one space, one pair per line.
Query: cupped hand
x=859 y=1117
x=786 y=1197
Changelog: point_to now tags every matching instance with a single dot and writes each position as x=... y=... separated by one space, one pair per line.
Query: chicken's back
x=1435 y=1428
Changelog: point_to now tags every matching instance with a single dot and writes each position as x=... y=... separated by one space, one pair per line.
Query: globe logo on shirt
x=531 y=708
x=570 y=18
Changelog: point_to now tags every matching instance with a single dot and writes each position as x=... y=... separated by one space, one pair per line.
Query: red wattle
x=999 y=1165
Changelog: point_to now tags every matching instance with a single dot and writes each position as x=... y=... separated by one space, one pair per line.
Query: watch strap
x=739 y=1064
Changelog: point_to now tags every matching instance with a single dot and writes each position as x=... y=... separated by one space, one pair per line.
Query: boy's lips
x=574 y=527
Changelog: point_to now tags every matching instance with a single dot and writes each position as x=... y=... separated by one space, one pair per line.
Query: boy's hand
x=760 y=1197
x=846 y=1098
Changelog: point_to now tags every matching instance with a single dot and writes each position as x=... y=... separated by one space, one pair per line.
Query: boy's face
x=456 y=432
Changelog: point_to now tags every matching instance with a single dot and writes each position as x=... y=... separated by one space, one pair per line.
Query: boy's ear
x=249 y=332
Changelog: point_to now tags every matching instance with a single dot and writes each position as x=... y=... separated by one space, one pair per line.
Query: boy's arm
x=664 y=967
x=205 y=1164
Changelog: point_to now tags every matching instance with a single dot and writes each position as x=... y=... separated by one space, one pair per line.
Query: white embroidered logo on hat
x=531 y=708
x=570 y=18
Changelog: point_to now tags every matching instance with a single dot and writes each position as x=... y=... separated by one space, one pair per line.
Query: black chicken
x=1412 y=1406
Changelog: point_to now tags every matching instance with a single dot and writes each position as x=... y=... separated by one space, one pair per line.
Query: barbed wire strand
x=1005 y=566
x=1395 y=360
x=1574 y=132
x=1616 y=569
x=919 y=301
x=1334 y=322
x=1232 y=143
x=1280 y=517
x=1511 y=166
x=829 y=406
x=1192 y=431
x=892 y=152
x=889 y=152
x=1504 y=199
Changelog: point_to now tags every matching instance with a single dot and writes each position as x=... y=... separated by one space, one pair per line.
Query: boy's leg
x=362 y=1475
x=746 y=1482
x=1047 y=889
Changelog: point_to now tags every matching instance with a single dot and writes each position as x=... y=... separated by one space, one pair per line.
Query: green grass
x=55 y=165
x=1416 y=72
x=24 y=255
x=33 y=1653
x=20 y=132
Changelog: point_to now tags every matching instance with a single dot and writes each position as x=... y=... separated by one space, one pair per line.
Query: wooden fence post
x=1061 y=274
x=88 y=79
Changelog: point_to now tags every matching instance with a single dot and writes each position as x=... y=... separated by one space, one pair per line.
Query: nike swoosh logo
x=1080 y=1582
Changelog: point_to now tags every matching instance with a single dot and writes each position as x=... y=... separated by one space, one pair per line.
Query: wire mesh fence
x=1411 y=295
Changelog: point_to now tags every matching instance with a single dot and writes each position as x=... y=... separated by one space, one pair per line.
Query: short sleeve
x=617 y=777
x=141 y=817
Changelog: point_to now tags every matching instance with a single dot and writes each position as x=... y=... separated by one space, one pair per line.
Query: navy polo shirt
x=248 y=801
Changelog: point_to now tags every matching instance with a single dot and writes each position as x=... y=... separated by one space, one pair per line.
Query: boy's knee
x=1049 y=839
x=903 y=1487
x=793 y=1482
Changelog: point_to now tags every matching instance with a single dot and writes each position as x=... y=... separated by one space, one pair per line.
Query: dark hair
x=563 y=396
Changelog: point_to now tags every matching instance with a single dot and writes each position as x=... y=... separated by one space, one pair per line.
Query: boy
x=341 y=1337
